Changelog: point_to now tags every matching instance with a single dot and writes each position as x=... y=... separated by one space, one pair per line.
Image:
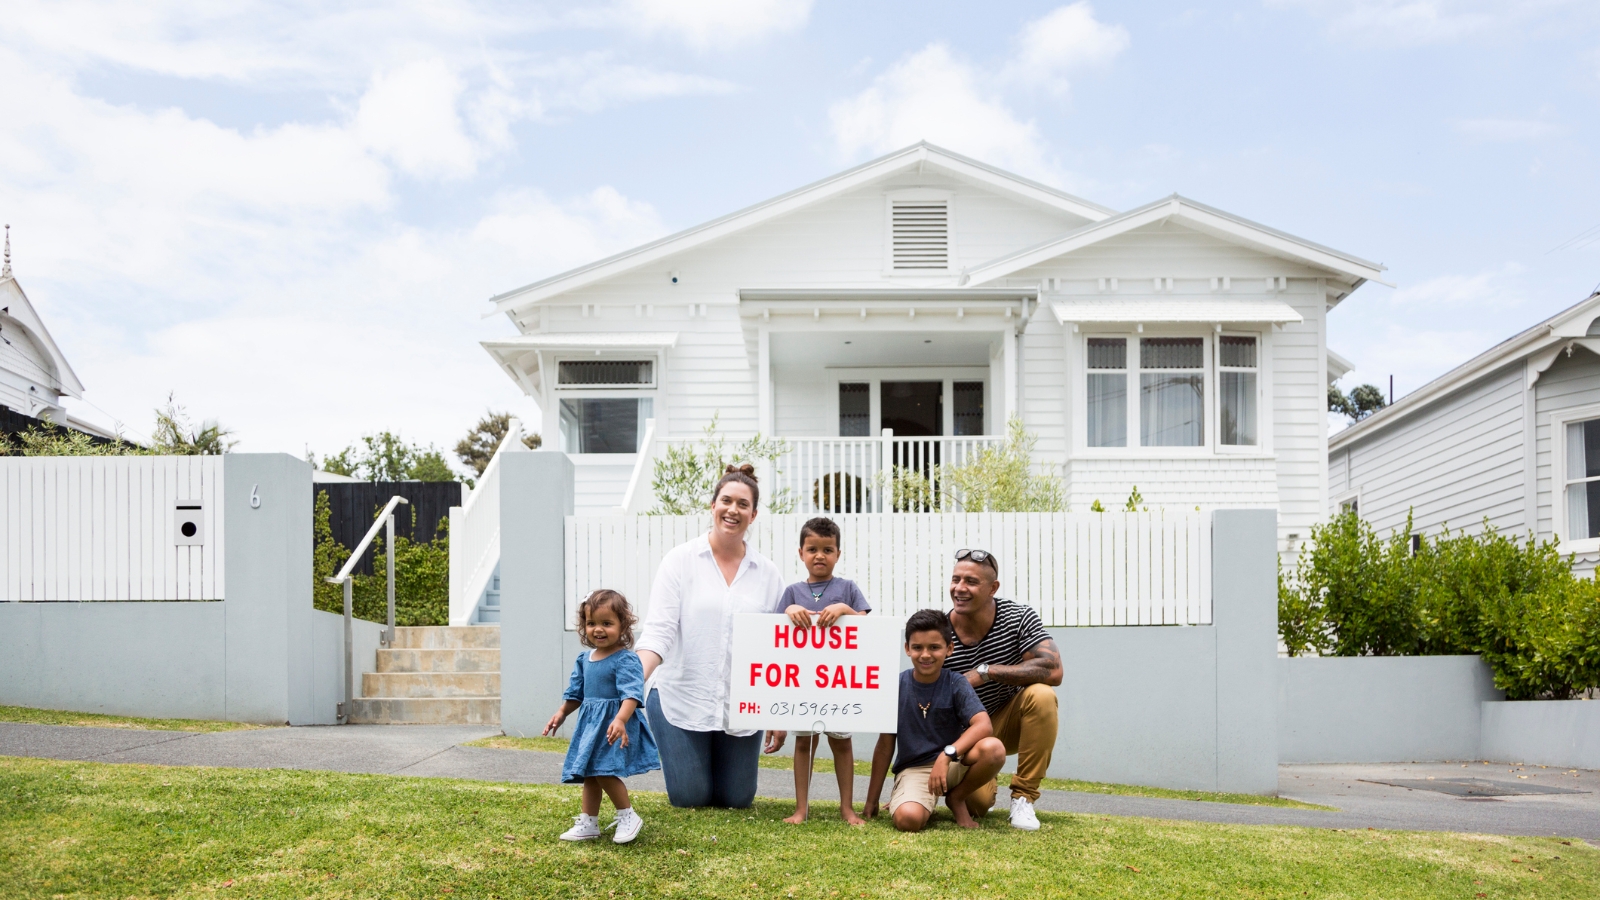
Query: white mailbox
x=189 y=523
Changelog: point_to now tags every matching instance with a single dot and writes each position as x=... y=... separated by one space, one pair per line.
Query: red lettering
x=791 y=676
x=838 y=677
x=872 y=678
x=774 y=675
x=755 y=673
x=819 y=638
x=799 y=637
x=833 y=638
x=780 y=636
x=822 y=676
x=850 y=638
x=854 y=684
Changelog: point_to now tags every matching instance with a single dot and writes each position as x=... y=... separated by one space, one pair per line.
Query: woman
x=699 y=588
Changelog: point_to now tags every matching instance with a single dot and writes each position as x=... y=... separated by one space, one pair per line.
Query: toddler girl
x=608 y=742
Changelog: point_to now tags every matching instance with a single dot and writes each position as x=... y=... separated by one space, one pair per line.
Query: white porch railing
x=475 y=534
x=1074 y=569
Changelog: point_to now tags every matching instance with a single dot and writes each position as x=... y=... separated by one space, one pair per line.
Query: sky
x=290 y=216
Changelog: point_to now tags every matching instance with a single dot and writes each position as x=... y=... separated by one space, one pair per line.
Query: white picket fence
x=1074 y=569
x=103 y=528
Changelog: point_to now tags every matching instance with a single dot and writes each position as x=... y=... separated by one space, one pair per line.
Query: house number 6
x=255 y=499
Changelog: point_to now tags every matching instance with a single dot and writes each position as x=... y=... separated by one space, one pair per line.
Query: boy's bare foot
x=849 y=816
x=799 y=817
x=962 y=816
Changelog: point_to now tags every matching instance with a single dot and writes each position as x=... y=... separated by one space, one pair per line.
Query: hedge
x=421 y=575
x=1517 y=604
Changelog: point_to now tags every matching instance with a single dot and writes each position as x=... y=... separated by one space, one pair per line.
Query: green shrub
x=682 y=478
x=421 y=576
x=1515 y=603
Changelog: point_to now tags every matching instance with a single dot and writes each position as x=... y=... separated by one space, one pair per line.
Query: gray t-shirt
x=822 y=594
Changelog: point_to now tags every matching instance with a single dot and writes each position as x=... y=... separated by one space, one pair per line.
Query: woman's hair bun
x=745 y=469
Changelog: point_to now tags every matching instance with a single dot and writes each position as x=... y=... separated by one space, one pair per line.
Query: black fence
x=14 y=423
x=353 y=504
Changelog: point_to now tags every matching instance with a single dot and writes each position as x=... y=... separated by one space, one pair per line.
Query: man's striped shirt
x=1015 y=631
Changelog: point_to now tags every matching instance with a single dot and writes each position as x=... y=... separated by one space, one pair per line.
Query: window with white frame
x=1583 y=480
x=603 y=404
x=1183 y=384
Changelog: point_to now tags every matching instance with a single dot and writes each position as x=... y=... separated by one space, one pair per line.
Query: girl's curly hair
x=601 y=599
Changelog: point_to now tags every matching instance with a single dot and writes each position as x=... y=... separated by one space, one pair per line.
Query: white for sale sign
x=845 y=677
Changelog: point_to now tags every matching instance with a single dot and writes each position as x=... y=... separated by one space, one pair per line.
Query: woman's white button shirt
x=689 y=624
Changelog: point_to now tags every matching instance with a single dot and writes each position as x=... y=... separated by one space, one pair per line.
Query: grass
x=33 y=716
x=73 y=829
x=864 y=769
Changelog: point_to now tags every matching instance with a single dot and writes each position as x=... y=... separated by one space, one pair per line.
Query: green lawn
x=58 y=717
x=864 y=768
x=71 y=829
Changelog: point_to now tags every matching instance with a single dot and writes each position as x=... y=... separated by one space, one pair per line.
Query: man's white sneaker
x=584 y=828
x=1022 y=815
x=627 y=824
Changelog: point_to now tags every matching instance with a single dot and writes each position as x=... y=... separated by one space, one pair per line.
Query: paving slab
x=435 y=751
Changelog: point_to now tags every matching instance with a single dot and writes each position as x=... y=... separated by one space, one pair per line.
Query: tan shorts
x=836 y=735
x=911 y=785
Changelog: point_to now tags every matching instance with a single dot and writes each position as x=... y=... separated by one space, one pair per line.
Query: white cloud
x=1419 y=22
x=707 y=23
x=1486 y=290
x=410 y=115
x=932 y=95
x=595 y=81
x=1063 y=40
x=1507 y=130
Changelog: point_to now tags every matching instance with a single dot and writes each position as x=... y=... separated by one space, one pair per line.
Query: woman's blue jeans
x=704 y=768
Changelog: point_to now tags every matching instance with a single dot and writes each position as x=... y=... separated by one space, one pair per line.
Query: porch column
x=764 y=412
x=1008 y=365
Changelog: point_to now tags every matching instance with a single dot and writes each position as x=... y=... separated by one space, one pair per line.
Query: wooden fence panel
x=1074 y=569
x=76 y=529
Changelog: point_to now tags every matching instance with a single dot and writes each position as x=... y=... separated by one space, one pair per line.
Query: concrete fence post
x=1244 y=598
x=536 y=496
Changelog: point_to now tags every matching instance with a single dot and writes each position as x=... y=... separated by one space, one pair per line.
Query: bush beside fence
x=1517 y=604
x=421 y=573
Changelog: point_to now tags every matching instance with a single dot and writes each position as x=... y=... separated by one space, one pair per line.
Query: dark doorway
x=912 y=408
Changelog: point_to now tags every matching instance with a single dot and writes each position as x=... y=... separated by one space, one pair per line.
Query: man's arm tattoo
x=1041 y=664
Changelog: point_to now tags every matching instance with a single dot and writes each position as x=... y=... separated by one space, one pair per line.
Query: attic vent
x=921 y=234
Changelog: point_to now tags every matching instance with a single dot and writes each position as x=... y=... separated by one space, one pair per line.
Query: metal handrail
x=385 y=518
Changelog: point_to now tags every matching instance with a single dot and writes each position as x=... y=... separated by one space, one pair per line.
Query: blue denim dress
x=601 y=686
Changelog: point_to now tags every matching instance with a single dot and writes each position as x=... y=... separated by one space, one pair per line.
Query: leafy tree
x=683 y=477
x=421 y=574
x=1361 y=402
x=385 y=456
x=478 y=447
x=174 y=436
x=996 y=479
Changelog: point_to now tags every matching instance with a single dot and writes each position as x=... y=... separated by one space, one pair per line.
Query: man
x=1011 y=662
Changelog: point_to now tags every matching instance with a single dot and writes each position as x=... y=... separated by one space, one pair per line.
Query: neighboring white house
x=1174 y=346
x=34 y=375
x=1512 y=436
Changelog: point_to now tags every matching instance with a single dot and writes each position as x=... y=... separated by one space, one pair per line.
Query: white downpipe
x=475 y=534
x=637 y=499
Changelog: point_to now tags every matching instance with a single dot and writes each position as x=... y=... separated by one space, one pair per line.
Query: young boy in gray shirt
x=823 y=598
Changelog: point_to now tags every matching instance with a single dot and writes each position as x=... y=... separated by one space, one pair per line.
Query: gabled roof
x=21 y=314
x=1206 y=219
x=1539 y=345
x=915 y=156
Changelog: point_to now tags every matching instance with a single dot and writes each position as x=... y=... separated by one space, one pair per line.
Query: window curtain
x=1108 y=409
x=1583 y=498
x=1171 y=410
x=1237 y=391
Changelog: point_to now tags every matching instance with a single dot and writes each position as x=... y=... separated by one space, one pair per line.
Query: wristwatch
x=950 y=751
x=983 y=671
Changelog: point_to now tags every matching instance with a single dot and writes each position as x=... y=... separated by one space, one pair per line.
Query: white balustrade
x=475 y=534
x=1075 y=569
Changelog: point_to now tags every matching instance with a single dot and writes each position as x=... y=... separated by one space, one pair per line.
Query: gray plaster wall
x=261 y=655
x=1381 y=709
x=1543 y=732
x=536 y=491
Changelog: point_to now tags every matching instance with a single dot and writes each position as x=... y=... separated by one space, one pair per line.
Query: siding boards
x=1456 y=462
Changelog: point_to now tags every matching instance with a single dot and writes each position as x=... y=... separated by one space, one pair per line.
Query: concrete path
x=434 y=751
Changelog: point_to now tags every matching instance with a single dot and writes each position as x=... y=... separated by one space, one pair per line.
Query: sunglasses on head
x=981 y=557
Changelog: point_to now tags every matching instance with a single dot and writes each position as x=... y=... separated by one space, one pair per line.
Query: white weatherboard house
x=34 y=375
x=1511 y=436
x=898 y=313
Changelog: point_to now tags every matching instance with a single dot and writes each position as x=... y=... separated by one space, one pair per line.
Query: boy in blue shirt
x=944 y=735
x=826 y=598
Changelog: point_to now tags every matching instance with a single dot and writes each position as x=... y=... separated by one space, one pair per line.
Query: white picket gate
x=1073 y=568
x=103 y=528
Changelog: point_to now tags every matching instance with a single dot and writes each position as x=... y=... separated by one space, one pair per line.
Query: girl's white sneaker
x=627 y=824
x=584 y=828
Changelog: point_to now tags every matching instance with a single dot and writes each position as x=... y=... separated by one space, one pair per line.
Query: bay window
x=1184 y=384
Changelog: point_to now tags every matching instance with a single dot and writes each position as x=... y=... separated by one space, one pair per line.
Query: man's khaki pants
x=1027 y=726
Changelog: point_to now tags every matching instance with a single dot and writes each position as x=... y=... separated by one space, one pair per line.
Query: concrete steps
x=434 y=676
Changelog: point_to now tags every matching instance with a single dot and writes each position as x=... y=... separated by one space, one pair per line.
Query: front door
x=912 y=408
